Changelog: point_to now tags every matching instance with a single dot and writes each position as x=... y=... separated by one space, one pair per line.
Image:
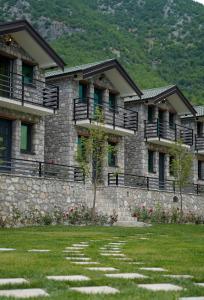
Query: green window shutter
x=27 y=72
x=150 y=161
x=25 y=138
x=82 y=92
x=112 y=101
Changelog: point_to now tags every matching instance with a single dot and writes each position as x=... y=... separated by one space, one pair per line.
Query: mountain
x=160 y=42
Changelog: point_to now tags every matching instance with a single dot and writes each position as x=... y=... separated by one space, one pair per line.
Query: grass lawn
x=177 y=248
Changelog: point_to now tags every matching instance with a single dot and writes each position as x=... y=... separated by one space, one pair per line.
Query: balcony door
x=5 y=135
x=161 y=170
x=98 y=99
x=161 y=124
x=5 y=87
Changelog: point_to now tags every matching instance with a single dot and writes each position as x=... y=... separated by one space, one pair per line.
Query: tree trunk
x=93 y=211
x=181 y=201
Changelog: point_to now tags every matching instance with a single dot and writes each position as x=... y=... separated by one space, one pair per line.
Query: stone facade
x=62 y=129
x=29 y=193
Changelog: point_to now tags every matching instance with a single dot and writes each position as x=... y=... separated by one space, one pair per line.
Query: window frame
x=200 y=170
x=112 y=107
x=29 y=135
x=83 y=98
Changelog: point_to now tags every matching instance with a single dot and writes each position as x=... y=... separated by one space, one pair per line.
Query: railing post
x=74 y=110
x=174 y=186
x=145 y=129
x=40 y=169
x=175 y=132
x=57 y=97
x=158 y=129
x=197 y=189
x=116 y=179
x=88 y=105
x=22 y=90
x=192 y=137
x=114 y=118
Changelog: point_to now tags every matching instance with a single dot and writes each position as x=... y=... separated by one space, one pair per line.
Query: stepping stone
x=117 y=244
x=126 y=275
x=178 y=276
x=161 y=287
x=39 y=250
x=143 y=238
x=192 y=298
x=78 y=258
x=74 y=248
x=103 y=269
x=113 y=254
x=154 y=269
x=25 y=293
x=79 y=245
x=85 y=262
x=7 y=249
x=95 y=290
x=74 y=253
x=136 y=263
x=199 y=284
x=122 y=258
x=69 y=278
x=4 y=281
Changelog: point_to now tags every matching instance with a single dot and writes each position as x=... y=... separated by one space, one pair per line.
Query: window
x=27 y=72
x=112 y=154
x=200 y=170
x=171 y=120
x=82 y=92
x=171 y=172
x=200 y=129
x=150 y=114
x=26 y=137
x=112 y=101
x=151 y=161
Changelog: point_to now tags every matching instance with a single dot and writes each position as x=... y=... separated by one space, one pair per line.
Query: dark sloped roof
x=20 y=25
x=150 y=93
x=91 y=69
x=199 y=110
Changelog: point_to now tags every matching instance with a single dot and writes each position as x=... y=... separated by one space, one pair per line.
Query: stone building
x=25 y=97
x=82 y=90
x=147 y=154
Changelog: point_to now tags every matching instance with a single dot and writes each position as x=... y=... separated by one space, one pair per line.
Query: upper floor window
x=199 y=129
x=27 y=72
x=112 y=101
x=26 y=138
x=200 y=170
x=82 y=91
x=150 y=114
x=112 y=154
x=150 y=161
x=171 y=120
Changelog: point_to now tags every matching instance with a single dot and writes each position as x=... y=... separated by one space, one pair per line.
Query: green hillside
x=159 y=41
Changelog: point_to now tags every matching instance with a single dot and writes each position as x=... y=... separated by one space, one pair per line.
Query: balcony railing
x=41 y=169
x=38 y=93
x=151 y=183
x=199 y=143
x=167 y=131
x=85 y=109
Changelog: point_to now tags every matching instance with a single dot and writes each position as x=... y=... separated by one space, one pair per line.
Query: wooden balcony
x=116 y=120
x=37 y=98
x=164 y=133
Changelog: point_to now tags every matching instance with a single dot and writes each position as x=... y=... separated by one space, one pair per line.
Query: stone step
x=131 y=224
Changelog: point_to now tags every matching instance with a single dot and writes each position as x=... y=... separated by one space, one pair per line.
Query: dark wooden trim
x=21 y=25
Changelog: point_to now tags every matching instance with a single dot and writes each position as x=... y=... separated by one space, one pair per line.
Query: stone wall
x=43 y=194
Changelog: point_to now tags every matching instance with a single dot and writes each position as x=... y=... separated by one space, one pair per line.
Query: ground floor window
x=26 y=138
x=112 y=154
x=201 y=170
x=151 y=155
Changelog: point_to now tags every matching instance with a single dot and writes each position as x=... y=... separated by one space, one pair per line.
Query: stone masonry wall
x=30 y=193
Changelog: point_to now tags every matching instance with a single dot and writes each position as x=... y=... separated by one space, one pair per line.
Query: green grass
x=178 y=248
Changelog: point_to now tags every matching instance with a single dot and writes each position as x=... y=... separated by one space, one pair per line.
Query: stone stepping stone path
x=80 y=245
x=7 y=249
x=74 y=253
x=199 y=284
x=143 y=238
x=136 y=263
x=167 y=287
x=95 y=290
x=126 y=276
x=69 y=278
x=154 y=269
x=85 y=262
x=103 y=269
x=122 y=258
x=113 y=254
x=78 y=258
x=74 y=248
x=24 y=293
x=192 y=298
x=178 y=276
x=5 y=281
x=39 y=250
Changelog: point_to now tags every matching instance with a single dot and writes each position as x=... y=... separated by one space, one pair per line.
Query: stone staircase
x=126 y=220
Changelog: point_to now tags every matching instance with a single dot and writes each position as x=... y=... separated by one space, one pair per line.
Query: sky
x=200 y=1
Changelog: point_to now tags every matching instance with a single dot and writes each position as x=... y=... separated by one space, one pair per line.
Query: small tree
x=181 y=167
x=91 y=153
